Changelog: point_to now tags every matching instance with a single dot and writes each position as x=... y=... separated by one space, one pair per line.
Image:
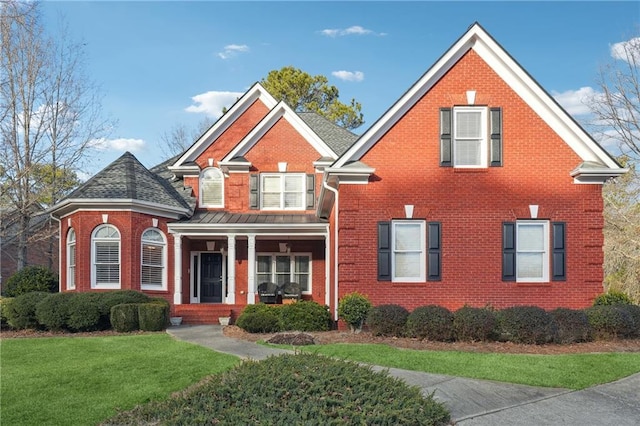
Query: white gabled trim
x=254 y=93
x=589 y=173
x=513 y=74
x=356 y=173
x=281 y=110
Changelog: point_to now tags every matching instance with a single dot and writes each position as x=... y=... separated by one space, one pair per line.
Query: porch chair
x=269 y=292
x=291 y=290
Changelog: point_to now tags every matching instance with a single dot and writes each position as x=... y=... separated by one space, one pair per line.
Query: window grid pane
x=284 y=191
x=281 y=269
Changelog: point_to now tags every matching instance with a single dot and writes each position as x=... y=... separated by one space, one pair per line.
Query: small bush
x=124 y=317
x=109 y=299
x=526 y=324
x=387 y=320
x=28 y=279
x=53 y=312
x=85 y=312
x=305 y=316
x=153 y=316
x=353 y=309
x=21 y=312
x=265 y=321
x=4 y=304
x=634 y=313
x=572 y=326
x=474 y=324
x=610 y=321
x=430 y=322
x=612 y=298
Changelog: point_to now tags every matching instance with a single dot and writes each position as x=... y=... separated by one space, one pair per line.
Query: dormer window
x=211 y=188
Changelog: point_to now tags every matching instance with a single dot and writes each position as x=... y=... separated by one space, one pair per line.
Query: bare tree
x=180 y=137
x=50 y=111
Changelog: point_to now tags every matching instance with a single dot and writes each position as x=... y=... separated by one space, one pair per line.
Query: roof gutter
x=335 y=254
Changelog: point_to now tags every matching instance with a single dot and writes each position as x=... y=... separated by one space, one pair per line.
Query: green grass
x=574 y=371
x=84 y=380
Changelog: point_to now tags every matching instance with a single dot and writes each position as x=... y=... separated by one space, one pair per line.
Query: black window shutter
x=434 y=255
x=311 y=191
x=384 y=251
x=445 y=138
x=558 y=258
x=254 y=192
x=508 y=251
x=496 y=137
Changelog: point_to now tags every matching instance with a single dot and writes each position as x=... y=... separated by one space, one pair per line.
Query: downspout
x=60 y=283
x=335 y=249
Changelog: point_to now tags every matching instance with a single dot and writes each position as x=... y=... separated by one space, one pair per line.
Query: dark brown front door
x=210 y=278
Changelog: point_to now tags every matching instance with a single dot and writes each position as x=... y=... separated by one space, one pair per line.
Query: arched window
x=211 y=188
x=71 y=259
x=105 y=257
x=153 y=276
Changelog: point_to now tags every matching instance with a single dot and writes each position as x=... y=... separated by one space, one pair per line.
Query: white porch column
x=251 y=266
x=231 y=270
x=177 y=269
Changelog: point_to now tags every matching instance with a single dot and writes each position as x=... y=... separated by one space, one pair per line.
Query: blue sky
x=160 y=64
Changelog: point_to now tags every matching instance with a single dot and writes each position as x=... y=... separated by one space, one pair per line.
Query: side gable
x=601 y=164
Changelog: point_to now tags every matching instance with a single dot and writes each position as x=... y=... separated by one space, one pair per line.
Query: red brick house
x=474 y=188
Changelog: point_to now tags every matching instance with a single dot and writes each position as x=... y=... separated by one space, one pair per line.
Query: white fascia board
x=71 y=206
x=281 y=110
x=213 y=133
x=351 y=174
x=589 y=175
x=284 y=229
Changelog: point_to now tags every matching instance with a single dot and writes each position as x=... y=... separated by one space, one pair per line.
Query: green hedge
x=474 y=324
x=387 y=320
x=572 y=326
x=124 y=317
x=431 y=322
x=526 y=324
x=610 y=321
x=21 y=312
x=153 y=316
x=305 y=316
x=30 y=279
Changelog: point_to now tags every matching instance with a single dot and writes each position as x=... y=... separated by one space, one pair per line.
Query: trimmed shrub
x=53 y=312
x=526 y=324
x=430 y=322
x=107 y=300
x=387 y=320
x=353 y=309
x=634 y=313
x=4 y=304
x=474 y=324
x=85 y=312
x=303 y=389
x=263 y=321
x=28 y=279
x=610 y=321
x=124 y=317
x=153 y=316
x=572 y=326
x=305 y=316
x=612 y=298
x=21 y=312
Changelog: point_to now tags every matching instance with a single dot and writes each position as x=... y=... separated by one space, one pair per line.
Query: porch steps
x=203 y=313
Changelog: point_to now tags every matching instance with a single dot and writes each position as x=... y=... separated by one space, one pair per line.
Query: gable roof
x=338 y=138
x=126 y=183
x=186 y=160
x=477 y=39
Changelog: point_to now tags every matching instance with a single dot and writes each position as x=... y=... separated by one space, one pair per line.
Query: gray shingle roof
x=127 y=179
x=338 y=138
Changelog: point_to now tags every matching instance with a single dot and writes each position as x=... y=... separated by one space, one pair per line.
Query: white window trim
x=163 y=245
x=93 y=259
x=423 y=250
x=71 y=245
x=546 y=251
x=484 y=142
x=201 y=189
x=292 y=259
x=303 y=200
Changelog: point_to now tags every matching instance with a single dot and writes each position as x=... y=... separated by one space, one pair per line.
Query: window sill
x=470 y=170
x=533 y=284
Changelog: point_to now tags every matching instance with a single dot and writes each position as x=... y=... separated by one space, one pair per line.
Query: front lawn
x=571 y=371
x=84 y=380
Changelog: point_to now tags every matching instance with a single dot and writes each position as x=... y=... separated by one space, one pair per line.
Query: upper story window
x=471 y=137
x=71 y=259
x=153 y=275
x=105 y=257
x=282 y=191
x=211 y=188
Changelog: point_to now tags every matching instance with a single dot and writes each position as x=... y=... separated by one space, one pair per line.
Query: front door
x=210 y=278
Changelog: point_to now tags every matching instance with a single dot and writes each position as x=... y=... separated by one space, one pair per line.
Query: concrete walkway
x=477 y=402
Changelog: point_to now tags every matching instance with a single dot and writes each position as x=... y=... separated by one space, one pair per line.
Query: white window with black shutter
x=470 y=137
x=409 y=251
x=533 y=251
x=282 y=191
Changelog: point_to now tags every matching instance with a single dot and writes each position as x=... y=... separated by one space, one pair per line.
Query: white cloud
x=232 y=50
x=212 y=102
x=349 y=75
x=119 y=144
x=575 y=102
x=626 y=50
x=353 y=30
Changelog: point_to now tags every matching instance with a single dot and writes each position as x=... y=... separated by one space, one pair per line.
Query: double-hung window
x=105 y=253
x=153 y=260
x=283 y=268
x=71 y=259
x=408 y=251
x=470 y=137
x=284 y=191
